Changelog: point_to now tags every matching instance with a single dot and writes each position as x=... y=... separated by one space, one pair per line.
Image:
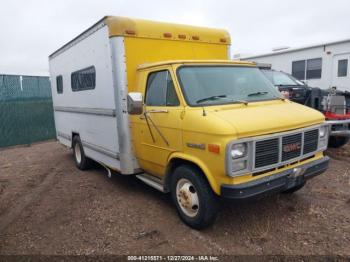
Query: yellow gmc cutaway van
x=163 y=102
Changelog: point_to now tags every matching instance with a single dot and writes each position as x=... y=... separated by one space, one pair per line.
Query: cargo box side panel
x=90 y=113
x=139 y=51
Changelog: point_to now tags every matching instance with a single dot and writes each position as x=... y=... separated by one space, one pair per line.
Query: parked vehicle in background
x=335 y=105
x=164 y=102
x=324 y=65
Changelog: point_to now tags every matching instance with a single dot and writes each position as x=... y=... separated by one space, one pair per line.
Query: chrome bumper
x=343 y=132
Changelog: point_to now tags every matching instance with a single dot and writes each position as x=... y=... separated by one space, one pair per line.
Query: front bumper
x=339 y=127
x=275 y=183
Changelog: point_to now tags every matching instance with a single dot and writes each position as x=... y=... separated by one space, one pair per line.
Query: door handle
x=157 y=111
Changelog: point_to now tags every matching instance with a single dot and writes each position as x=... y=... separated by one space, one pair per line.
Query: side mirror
x=135 y=103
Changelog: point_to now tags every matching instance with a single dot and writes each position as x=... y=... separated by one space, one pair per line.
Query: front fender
x=190 y=158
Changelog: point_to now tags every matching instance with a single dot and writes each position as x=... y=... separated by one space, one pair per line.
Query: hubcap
x=77 y=153
x=187 y=197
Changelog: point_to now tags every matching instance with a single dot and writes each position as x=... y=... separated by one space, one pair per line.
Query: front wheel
x=195 y=201
x=337 y=142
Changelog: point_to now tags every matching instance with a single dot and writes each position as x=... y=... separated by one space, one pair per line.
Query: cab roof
x=196 y=62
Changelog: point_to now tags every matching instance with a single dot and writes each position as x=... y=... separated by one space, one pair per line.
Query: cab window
x=160 y=90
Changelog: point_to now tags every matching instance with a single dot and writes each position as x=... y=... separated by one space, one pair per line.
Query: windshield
x=281 y=79
x=213 y=85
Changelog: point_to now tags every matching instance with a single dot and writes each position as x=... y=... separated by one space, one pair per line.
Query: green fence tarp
x=26 y=112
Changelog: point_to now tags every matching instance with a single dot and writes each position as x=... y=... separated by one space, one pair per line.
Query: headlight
x=323 y=137
x=239 y=165
x=239 y=150
x=323 y=131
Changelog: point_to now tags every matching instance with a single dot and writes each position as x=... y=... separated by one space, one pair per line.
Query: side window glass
x=298 y=69
x=171 y=96
x=59 y=84
x=156 y=89
x=342 y=68
x=84 y=79
x=160 y=90
x=314 y=68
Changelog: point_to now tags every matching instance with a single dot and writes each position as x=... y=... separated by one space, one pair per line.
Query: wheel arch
x=176 y=160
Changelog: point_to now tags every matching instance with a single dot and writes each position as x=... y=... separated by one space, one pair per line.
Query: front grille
x=310 y=141
x=266 y=152
x=291 y=146
x=283 y=148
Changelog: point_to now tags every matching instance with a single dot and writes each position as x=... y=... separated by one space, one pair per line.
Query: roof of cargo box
x=122 y=26
x=139 y=28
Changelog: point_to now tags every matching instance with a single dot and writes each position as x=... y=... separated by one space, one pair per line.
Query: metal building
x=324 y=65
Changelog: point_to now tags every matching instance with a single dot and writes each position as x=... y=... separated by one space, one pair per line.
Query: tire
x=81 y=161
x=196 y=203
x=337 y=142
x=294 y=189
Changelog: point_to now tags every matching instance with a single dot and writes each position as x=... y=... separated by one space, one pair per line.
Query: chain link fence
x=26 y=111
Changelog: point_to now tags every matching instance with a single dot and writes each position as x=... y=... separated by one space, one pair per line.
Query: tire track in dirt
x=209 y=242
x=11 y=214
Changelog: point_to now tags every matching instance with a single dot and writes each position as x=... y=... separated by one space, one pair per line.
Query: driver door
x=160 y=131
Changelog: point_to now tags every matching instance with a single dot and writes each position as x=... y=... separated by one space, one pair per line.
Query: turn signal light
x=214 y=148
x=195 y=37
x=130 y=32
x=167 y=35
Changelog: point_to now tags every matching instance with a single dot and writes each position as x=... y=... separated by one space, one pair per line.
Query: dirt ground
x=48 y=206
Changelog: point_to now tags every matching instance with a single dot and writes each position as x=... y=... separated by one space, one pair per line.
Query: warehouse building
x=324 y=65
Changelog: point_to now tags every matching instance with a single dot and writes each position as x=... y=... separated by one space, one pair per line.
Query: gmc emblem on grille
x=291 y=147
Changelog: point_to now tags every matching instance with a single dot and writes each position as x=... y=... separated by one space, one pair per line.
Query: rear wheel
x=81 y=161
x=337 y=142
x=196 y=203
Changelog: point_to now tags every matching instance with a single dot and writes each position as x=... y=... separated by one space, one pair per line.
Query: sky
x=30 y=30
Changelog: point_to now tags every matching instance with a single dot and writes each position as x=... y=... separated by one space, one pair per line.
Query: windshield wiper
x=258 y=93
x=210 y=98
x=221 y=96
